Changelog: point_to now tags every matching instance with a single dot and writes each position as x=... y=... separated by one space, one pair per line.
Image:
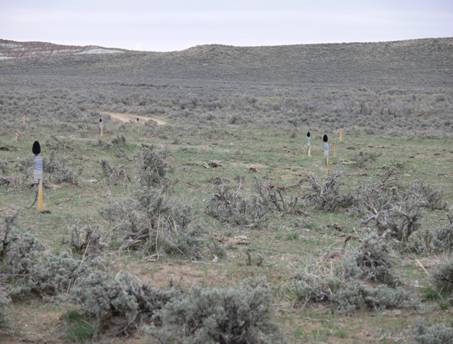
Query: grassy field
x=277 y=250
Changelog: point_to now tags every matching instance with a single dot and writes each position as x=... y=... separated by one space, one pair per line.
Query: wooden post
x=326 y=149
x=308 y=143
x=40 y=206
x=341 y=134
x=38 y=175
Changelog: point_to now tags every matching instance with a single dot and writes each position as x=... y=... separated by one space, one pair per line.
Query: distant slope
x=14 y=50
x=415 y=63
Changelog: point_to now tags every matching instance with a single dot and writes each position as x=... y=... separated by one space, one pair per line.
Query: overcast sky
x=178 y=24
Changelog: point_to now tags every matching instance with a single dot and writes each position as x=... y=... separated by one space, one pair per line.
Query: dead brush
x=326 y=194
x=344 y=290
x=395 y=212
x=372 y=261
x=277 y=198
x=114 y=175
x=431 y=198
x=85 y=239
x=154 y=223
x=230 y=205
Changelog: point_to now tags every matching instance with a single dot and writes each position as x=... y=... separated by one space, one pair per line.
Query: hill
x=18 y=50
x=383 y=86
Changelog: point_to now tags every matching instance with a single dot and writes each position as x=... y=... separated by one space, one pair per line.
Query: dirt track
x=128 y=117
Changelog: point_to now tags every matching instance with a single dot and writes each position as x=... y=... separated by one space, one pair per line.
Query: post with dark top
x=101 y=127
x=326 y=149
x=38 y=175
x=308 y=143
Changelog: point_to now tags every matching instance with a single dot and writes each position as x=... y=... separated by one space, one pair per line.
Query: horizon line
x=229 y=45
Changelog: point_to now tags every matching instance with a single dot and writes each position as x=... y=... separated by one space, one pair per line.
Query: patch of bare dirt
x=132 y=118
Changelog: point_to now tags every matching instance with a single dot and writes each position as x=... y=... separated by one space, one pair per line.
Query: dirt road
x=129 y=117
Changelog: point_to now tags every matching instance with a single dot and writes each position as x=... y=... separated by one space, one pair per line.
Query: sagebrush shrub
x=58 y=170
x=434 y=334
x=362 y=159
x=431 y=198
x=32 y=270
x=122 y=302
x=114 y=175
x=152 y=167
x=396 y=213
x=276 y=199
x=442 y=277
x=220 y=315
x=373 y=260
x=355 y=295
x=4 y=301
x=51 y=275
x=313 y=286
x=230 y=205
x=18 y=249
x=326 y=194
x=155 y=223
x=86 y=239
x=442 y=238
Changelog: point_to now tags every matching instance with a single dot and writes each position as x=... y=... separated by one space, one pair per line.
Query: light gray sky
x=162 y=25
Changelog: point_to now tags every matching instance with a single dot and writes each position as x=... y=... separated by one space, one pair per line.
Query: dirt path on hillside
x=129 y=117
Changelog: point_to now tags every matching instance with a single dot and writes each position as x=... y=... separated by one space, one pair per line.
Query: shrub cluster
x=372 y=261
x=119 y=304
x=277 y=198
x=220 y=315
x=362 y=279
x=434 y=334
x=442 y=277
x=229 y=204
x=152 y=167
x=31 y=270
x=154 y=223
x=114 y=175
x=152 y=220
x=86 y=239
x=395 y=212
x=58 y=170
x=4 y=301
x=326 y=194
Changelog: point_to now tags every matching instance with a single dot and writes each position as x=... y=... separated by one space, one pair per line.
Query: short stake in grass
x=308 y=143
x=101 y=127
x=341 y=135
x=326 y=148
x=38 y=176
